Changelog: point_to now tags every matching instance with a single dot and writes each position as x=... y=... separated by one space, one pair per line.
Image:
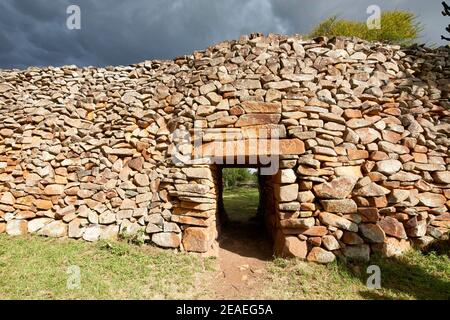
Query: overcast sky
x=118 y=32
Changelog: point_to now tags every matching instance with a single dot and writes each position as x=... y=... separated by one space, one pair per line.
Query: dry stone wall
x=363 y=156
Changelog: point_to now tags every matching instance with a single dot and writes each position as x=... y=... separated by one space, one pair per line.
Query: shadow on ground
x=247 y=239
x=242 y=230
x=412 y=275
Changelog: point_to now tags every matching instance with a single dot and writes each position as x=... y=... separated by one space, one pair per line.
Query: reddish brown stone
x=339 y=206
x=236 y=111
x=316 y=231
x=410 y=142
x=420 y=157
x=292 y=146
x=367 y=135
x=376 y=176
x=225 y=121
x=392 y=120
x=72 y=191
x=250 y=147
x=307 y=185
x=338 y=188
x=297 y=223
x=401 y=216
x=372 y=232
x=307 y=206
x=324 y=158
x=391 y=136
x=421 y=149
x=25 y=214
x=261 y=107
x=196 y=239
x=24 y=202
x=352 y=113
x=393 y=111
x=255 y=119
x=391 y=104
x=315 y=241
x=290 y=247
x=2 y=227
x=369 y=214
x=378 y=202
x=337 y=221
x=351 y=238
x=443 y=217
x=361 y=201
x=378 y=156
x=368 y=166
x=392 y=227
x=406 y=158
x=357 y=154
x=191 y=212
x=445 y=225
x=393 y=247
x=442 y=177
x=136 y=164
x=190 y=221
x=391 y=184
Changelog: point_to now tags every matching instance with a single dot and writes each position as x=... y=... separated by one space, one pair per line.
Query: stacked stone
x=196 y=209
x=363 y=127
x=84 y=156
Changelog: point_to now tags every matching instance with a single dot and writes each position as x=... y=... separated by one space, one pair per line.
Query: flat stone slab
x=250 y=147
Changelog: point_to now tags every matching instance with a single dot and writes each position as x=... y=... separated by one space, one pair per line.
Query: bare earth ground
x=244 y=248
x=243 y=254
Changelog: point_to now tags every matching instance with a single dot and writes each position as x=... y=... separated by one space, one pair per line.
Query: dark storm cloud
x=34 y=32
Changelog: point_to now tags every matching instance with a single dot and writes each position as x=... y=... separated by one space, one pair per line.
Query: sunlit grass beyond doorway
x=241 y=195
x=241 y=204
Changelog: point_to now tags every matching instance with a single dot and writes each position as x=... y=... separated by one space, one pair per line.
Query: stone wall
x=363 y=154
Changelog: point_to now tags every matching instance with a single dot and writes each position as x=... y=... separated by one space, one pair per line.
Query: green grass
x=413 y=276
x=33 y=267
x=240 y=203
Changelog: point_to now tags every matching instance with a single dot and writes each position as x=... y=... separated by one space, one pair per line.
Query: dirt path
x=244 y=250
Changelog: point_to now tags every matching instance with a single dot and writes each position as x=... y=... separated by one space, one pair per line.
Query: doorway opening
x=240 y=195
x=244 y=210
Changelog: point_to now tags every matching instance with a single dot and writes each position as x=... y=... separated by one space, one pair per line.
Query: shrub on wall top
x=396 y=27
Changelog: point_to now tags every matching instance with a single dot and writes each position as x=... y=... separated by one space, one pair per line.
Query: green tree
x=446 y=12
x=232 y=176
x=397 y=26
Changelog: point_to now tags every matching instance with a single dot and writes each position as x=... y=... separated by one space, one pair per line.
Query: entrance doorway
x=245 y=244
x=244 y=211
